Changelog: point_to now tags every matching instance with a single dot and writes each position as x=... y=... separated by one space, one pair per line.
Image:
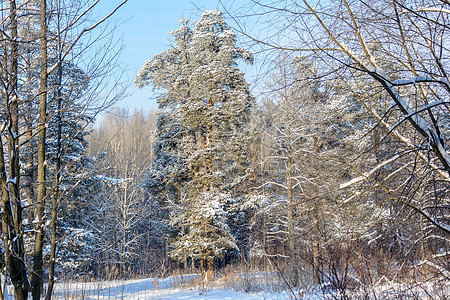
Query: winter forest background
x=330 y=168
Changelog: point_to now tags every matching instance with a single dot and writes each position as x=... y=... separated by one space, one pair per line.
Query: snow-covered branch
x=434 y=9
x=366 y=175
x=420 y=79
x=421 y=109
x=419 y=123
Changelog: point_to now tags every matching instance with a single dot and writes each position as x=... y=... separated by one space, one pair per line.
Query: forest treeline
x=331 y=169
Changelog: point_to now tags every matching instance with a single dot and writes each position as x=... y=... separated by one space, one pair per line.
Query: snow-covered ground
x=190 y=287
x=169 y=288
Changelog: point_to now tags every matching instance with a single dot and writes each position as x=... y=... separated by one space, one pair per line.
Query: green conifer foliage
x=207 y=100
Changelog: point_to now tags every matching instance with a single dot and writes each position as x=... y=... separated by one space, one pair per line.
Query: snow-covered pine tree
x=69 y=170
x=206 y=97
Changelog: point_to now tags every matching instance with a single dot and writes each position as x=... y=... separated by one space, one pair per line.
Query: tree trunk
x=185 y=262
x=15 y=266
x=210 y=268
x=290 y=199
x=37 y=275
x=11 y=205
x=316 y=243
x=55 y=199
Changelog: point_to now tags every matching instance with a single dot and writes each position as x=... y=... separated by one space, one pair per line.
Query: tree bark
x=290 y=199
x=11 y=205
x=55 y=199
x=37 y=275
x=316 y=242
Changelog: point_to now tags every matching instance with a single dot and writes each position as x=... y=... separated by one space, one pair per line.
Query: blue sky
x=145 y=26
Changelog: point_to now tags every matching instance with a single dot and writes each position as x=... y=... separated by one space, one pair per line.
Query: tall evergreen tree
x=206 y=105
